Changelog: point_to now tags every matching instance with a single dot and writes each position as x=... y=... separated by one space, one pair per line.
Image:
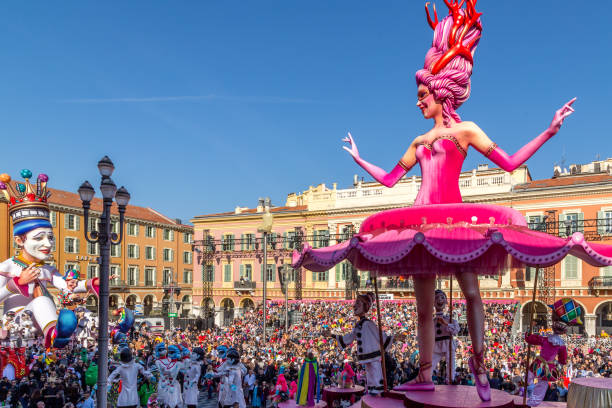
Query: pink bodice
x=440 y=163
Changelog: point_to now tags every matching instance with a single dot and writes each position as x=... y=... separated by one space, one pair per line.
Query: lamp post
x=105 y=238
x=265 y=228
x=170 y=289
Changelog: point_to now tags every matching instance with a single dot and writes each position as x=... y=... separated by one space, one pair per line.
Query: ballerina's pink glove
x=384 y=178
x=510 y=163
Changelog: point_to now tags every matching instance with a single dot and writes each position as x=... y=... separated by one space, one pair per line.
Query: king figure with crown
x=24 y=277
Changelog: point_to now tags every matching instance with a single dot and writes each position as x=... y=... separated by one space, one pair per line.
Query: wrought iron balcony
x=600 y=282
x=244 y=285
x=118 y=286
x=596 y=229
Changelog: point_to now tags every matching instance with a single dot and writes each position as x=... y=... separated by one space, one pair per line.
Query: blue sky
x=207 y=105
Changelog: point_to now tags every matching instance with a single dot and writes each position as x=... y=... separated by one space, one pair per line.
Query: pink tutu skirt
x=444 y=239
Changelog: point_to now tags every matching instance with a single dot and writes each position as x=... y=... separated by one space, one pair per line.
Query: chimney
x=260 y=205
x=267 y=203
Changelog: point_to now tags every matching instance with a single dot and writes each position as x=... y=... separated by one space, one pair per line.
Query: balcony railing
x=244 y=285
x=594 y=229
x=600 y=282
x=118 y=285
x=389 y=285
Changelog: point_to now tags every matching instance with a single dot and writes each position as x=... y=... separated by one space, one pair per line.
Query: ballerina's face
x=426 y=102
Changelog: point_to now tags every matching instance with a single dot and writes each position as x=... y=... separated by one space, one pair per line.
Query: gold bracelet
x=403 y=165
x=490 y=149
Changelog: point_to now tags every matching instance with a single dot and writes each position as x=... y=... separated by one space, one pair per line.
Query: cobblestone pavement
x=204 y=402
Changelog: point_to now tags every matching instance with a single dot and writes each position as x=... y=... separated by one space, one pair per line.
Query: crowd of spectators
x=65 y=378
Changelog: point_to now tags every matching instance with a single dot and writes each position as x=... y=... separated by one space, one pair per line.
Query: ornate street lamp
x=105 y=238
x=265 y=228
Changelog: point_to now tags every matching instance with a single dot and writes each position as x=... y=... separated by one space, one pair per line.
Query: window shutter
x=77 y=222
x=241 y=271
x=233 y=238
x=273 y=272
x=601 y=223
x=241 y=244
x=77 y=245
x=119 y=250
x=66 y=216
x=66 y=244
x=212 y=273
x=581 y=222
x=338 y=272
x=562 y=225
x=285 y=240
x=137 y=252
x=136 y=229
x=314 y=276
x=53 y=218
x=571 y=266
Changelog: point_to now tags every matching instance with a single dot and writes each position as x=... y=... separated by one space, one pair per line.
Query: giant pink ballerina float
x=440 y=235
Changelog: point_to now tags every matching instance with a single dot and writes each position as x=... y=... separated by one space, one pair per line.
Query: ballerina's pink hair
x=448 y=63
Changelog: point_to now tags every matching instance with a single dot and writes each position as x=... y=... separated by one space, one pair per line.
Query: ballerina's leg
x=468 y=282
x=424 y=288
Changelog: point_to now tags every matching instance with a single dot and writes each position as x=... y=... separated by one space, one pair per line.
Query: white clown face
x=440 y=301
x=38 y=243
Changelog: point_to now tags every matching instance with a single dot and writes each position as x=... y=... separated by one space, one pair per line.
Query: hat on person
x=27 y=204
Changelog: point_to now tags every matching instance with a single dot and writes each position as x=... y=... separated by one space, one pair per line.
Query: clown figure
x=368 y=346
x=192 y=369
x=24 y=277
x=232 y=373
x=553 y=354
x=127 y=372
x=445 y=328
x=168 y=390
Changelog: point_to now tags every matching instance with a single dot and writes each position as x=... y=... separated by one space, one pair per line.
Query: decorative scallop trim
x=494 y=235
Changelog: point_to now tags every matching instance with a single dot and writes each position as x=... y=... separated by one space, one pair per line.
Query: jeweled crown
x=25 y=200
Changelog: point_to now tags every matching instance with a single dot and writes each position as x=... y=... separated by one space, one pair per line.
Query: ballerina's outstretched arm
x=384 y=178
x=484 y=145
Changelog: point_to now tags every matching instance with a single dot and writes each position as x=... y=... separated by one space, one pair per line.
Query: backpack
x=91 y=375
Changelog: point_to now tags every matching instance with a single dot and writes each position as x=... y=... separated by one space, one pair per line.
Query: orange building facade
x=228 y=247
x=155 y=253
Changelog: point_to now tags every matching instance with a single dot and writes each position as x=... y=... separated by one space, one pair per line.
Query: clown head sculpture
x=362 y=304
x=233 y=356
x=222 y=351
x=440 y=301
x=160 y=350
x=197 y=354
x=174 y=352
x=29 y=212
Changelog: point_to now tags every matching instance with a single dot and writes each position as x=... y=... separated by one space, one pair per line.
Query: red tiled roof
x=254 y=211
x=68 y=199
x=566 y=181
